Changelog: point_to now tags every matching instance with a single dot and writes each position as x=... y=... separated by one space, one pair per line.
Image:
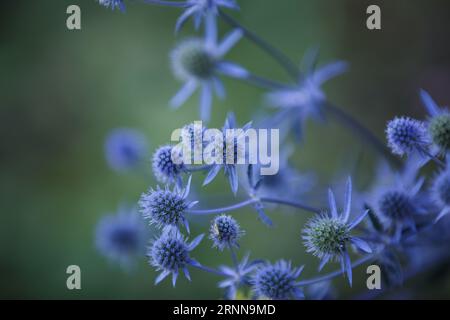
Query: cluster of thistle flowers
x=399 y=210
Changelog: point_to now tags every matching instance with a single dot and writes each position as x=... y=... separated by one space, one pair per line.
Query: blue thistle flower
x=406 y=136
x=277 y=281
x=197 y=9
x=121 y=236
x=230 y=159
x=328 y=235
x=113 y=4
x=225 y=232
x=164 y=207
x=441 y=191
x=125 y=149
x=170 y=252
x=165 y=169
x=438 y=124
x=198 y=63
x=307 y=97
x=238 y=276
x=396 y=199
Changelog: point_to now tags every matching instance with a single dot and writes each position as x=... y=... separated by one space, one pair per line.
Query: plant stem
x=234 y=258
x=210 y=270
x=252 y=201
x=355 y=125
x=290 y=67
x=223 y=209
x=291 y=204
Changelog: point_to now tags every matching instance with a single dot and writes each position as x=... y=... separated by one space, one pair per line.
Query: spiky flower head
x=225 y=232
x=406 y=135
x=113 y=4
x=124 y=149
x=165 y=207
x=168 y=165
x=277 y=281
x=439 y=128
x=327 y=235
x=121 y=237
x=170 y=253
x=396 y=205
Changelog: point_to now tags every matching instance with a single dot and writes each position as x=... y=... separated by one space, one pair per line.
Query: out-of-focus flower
x=125 y=149
x=225 y=232
x=306 y=99
x=328 y=235
x=170 y=252
x=165 y=208
x=197 y=9
x=277 y=281
x=438 y=124
x=121 y=237
x=198 y=63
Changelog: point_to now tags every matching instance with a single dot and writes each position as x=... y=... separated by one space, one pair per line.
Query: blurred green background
x=61 y=92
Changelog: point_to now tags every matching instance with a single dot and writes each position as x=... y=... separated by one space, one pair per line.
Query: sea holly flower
x=328 y=235
x=165 y=169
x=229 y=160
x=397 y=200
x=277 y=281
x=440 y=191
x=197 y=9
x=407 y=136
x=113 y=4
x=165 y=207
x=237 y=276
x=306 y=98
x=121 y=237
x=438 y=124
x=198 y=63
x=225 y=232
x=125 y=149
x=170 y=252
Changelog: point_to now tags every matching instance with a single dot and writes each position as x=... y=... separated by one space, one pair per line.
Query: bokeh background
x=62 y=91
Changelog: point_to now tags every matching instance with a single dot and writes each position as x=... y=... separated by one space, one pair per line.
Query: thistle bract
x=277 y=281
